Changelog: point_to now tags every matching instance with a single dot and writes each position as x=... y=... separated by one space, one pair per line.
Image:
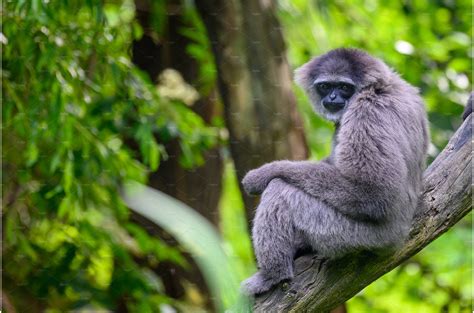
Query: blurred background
x=186 y=97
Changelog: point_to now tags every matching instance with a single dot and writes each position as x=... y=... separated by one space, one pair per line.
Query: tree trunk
x=320 y=285
x=254 y=83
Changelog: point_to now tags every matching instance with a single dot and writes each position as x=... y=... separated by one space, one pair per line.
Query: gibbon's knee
x=274 y=220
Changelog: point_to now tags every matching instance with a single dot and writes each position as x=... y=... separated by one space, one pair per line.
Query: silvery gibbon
x=363 y=196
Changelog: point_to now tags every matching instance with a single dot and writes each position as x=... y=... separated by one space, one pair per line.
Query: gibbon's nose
x=333 y=106
x=332 y=96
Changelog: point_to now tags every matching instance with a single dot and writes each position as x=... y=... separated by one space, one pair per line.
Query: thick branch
x=320 y=284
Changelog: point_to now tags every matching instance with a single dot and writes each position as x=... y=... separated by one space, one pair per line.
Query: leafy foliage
x=79 y=118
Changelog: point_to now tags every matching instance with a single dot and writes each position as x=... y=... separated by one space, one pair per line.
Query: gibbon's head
x=332 y=79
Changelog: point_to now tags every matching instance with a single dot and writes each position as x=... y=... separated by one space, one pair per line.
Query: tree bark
x=255 y=84
x=320 y=284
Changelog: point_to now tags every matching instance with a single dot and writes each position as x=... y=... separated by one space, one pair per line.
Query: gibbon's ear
x=302 y=75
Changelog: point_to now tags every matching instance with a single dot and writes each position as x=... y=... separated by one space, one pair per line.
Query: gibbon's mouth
x=334 y=107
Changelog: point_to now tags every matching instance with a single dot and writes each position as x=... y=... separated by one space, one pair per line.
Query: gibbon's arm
x=367 y=179
x=360 y=201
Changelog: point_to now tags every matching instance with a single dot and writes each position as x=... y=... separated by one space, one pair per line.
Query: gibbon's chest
x=332 y=157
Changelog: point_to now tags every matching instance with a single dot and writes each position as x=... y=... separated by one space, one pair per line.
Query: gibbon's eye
x=347 y=89
x=323 y=86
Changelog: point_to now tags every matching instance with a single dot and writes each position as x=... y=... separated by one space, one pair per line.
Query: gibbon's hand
x=255 y=181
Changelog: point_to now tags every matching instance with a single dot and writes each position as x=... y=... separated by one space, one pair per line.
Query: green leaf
x=68 y=176
x=64 y=207
x=31 y=154
x=154 y=155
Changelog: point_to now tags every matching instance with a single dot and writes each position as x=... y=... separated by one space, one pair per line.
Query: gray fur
x=364 y=195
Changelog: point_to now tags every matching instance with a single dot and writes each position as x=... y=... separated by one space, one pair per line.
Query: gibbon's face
x=333 y=79
x=334 y=96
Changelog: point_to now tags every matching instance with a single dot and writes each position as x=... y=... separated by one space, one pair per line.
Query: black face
x=334 y=95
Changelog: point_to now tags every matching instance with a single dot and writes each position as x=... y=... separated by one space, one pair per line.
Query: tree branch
x=320 y=285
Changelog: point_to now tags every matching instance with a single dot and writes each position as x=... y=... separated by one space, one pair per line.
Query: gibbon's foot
x=258 y=283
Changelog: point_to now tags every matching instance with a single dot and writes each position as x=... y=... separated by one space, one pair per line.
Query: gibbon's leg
x=275 y=239
x=330 y=233
x=288 y=219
